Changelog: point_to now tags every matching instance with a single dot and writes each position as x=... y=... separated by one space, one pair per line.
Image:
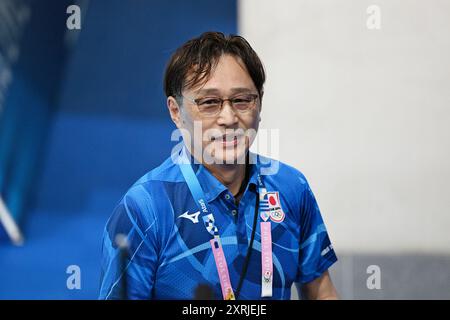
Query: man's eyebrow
x=241 y=89
x=208 y=91
x=217 y=91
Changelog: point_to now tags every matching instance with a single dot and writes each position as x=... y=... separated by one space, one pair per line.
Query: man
x=214 y=213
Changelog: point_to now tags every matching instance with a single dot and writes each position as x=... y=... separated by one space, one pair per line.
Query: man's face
x=226 y=136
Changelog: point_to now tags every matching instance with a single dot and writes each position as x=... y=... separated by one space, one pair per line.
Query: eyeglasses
x=212 y=106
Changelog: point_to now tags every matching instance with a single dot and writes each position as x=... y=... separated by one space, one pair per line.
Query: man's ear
x=175 y=112
x=260 y=105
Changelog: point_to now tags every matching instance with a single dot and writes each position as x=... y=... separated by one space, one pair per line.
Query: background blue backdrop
x=83 y=119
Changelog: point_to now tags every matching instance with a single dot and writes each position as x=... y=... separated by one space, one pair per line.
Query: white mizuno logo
x=193 y=216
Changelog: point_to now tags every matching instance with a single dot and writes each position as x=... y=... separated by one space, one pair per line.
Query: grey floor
x=401 y=277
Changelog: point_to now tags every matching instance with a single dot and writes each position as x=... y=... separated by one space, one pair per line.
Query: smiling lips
x=227 y=140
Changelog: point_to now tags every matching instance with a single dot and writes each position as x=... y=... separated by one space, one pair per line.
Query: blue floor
x=53 y=242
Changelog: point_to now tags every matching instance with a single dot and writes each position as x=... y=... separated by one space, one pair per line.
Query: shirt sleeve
x=316 y=252
x=132 y=276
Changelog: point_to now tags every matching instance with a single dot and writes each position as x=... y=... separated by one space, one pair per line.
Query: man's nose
x=227 y=115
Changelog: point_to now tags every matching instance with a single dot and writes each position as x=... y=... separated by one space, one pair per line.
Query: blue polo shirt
x=169 y=250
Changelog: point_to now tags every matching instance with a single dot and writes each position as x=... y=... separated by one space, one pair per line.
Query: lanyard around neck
x=216 y=246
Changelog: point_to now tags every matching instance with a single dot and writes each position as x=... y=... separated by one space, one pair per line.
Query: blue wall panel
x=109 y=126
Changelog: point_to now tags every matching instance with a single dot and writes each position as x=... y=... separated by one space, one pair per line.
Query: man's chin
x=231 y=157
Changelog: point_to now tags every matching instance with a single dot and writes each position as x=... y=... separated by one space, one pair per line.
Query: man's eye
x=209 y=102
x=241 y=100
x=244 y=99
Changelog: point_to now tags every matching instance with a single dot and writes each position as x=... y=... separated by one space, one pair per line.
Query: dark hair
x=197 y=57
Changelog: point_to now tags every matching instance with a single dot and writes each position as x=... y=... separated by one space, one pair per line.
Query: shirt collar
x=211 y=186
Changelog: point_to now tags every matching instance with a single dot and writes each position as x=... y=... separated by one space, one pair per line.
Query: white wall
x=364 y=114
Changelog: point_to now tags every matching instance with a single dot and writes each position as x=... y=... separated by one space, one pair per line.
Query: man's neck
x=230 y=175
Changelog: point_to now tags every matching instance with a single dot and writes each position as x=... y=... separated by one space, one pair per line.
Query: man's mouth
x=226 y=140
